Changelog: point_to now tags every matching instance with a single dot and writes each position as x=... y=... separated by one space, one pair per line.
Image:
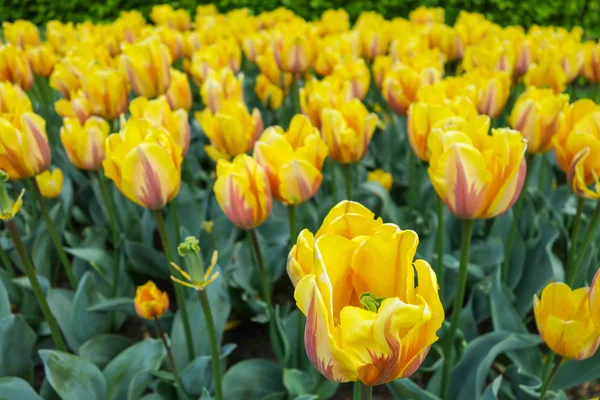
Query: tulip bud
x=21 y=33
x=67 y=77
x=107 y=92
x=221 y=86
x=84 y=145
x=42 y=60
x=254 y=45
x=356 y=76
x=164 y=14
x=8 y=207
x=24 y=150
x=494 y=91
x=401 y=84
x=594 y=299
x=547 y=72
x=197 y=279
x=271 y=95
x=179 y=94
x=564 y=321
x=170 y=38
x=50 y=183
x=318 y=95
x=79 y=107
x=145 y=163
x=427 y=15
x=293 y=49
x=148 y=67
x=14 y=67
x=150 y=302
x=383 y=178
x=380 y=66
x=13 y=100
x=524 y=57
x=591 y=62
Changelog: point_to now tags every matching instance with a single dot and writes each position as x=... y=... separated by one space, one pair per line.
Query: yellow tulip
x=14 y=67
x=447 y=40
x=326 y=60
x=13 y=100
x=333 y=21
x=231 y=131
x=21 y=33
x=221 y=86
x=493 y=55
x=348 y=131
x=24 y=150
x=594 y=299
x=477 y=175
x=68 y=76
x=473 y=28
x=179 y=94
x=164 y=14
x=60 y=35
x=373 y=43
x=78 y=107
x=564 y=321
x=169 y=37
x=255 y=44
x=50 y=183
x=547 y=72
x=215 y=57
x=148 y=67
x=494 y=89
x=577 y=148
x=591 y=62
x=293 y=48
x=107 y=91
x=538 y=115
x=150 y=302
x=84 y=144
x=292 y=160
x=356 y=77
x=408 y=48
x=401 y=84
x=270 y=94
x=427 y=15
x=384 y=178
x=242 y=190
x=317 y=95
x=381 y=65
x=145 y=163
x=42 y=60
x=268 y=67
x=572 y=59
x=355 y=282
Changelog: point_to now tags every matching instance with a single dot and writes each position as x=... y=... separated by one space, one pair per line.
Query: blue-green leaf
x=73 y=377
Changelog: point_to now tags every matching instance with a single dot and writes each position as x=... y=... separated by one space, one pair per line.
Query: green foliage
x=566 y=13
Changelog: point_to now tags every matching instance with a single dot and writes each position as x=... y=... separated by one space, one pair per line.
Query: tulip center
x=370 y=301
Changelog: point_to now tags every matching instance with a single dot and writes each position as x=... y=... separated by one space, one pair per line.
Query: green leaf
x=88 y=324
x=16 y=388
x=198 y=374
x=102 y=348
x=491 y=393
x=121 y=304
x=99 y=259
x=279 y=342
x=575 y=372
x=4 y=302
x=61 y=305
x=143 y=356
x=406 y=389
x=254 y=380
x=17 y=341
x=73 y=377
x=147 y=260
x=312 y=384
x=138 y=385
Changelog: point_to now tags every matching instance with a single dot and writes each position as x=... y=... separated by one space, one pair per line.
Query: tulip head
x=317 y=95
x=447 y=39
x=150 y=302
x=179 y=94
x=292 y=160
x=243 y=192
x=401 y=84
x=13 y=100
x=145 y=163
x=333 y=21
x=348 y=131
x=427 y=15
x=383 y=178
x=24 y=149
x=547 y=72
x=538 y=115
x=356 y=77
x=355 y=282
x=494 y=89
x=84 y=143
x=564 y=321
x=293 y=50
x=21 y=33
x=591 y=62
x=231 y=131
x=78 y=107
x=42 y=60
x=148 y=67
x=50 y=183
x=477 y=175
x=108 y=92
x=68 y=76
x=594 y=299
x=221 y=86
x=381 y=65
x=14 y=67
x=270 y=94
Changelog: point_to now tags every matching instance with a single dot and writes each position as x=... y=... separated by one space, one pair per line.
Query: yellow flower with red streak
x=383 y=178
x=492 y=54
x=270 y=94
x=179 y=94
x=24 y=149
x=547 y=72
x=538 y=115
x=447 y=40
x=355 y=77
x=21 y=33
x=594 y=299
x=293 y=47
x=107 y=91
x=170 y=37
x=494 y=89
x=243 y=192
x=231 y=130
x=159 y=114
x=60 y=35
x=78 y=107
x=68 y=76
x=220 y=86
x=317 y=95
x=50 y=183
x=13 y=100
x=148 y=67
x=355 y=282
x=164 y=14
x=254 y=44
x=401 y=84
x=473 y=28
x=292 y=160
x=348 y=130
x=268 y=67
x=150 y=302
x=427 y=15
x=42 y=60
x=564 y=321
x=333 y=21
x=475 y=174
x=84 y=143
x=591 y=61
x=381 y=65
x=577 y=148
x=145 y=163
x=14 y=66
x=226 y=53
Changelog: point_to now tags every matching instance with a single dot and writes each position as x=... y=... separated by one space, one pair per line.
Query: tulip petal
x=343 y=208
x=298 y=181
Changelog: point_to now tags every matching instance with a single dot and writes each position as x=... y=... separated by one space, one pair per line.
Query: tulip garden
x=245 y=205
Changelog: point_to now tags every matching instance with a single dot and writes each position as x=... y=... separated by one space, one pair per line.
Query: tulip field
x=238 y=205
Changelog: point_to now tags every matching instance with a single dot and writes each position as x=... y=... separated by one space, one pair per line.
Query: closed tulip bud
x=594 y=299
x=145 y=163
x=79 y=107
x=254 y=45
x=494 y=89
x=427 y=15
x=13 y=100
x=356 y=76
x=270 y=94
x=333 y=21
x=50 y=183
x=564 y=321
x=220 y=86
x=159 y=114
x=524 y=57
x=148 y=67
x=348 y=131
x=293 y=50
x=179 y=94
x=326 y=60
x=477 y=175
x=268 y=66
x=538 y=114
x=380 y=66
x=243 y=192
x=447 y=40
x=84 y=143
x=383 y=178
x=164 y=14
x=24 y=150
x=591 y=62
x=317 y=95
x=67 y=77
x=21 y=33
x=401 y=84
x=14 y=67
x=42 y=60
x=292 y=160
x=355 y=282
x=373 y=43
x=170 y=38
x=547 y=72
x=150 y=302
x=231 y=131
x=107 y=92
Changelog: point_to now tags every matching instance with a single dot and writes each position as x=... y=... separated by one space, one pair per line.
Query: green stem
x=292 y=221
x=163 y=337
x=439 y=244
x=465 y=249
x=589 y=236
x=333 y=181
x=176 y=222
x=264 y=277
x=365 y=392
x=54 y=236
x=214 y=343
x=542 y=173
x=348 y=180
x=7 y=263
x=179 y=290
x=295 y=97
x=35 y=285
x=33 y=204
x=574 y=238
x=356 y=391
x=110 y=212
x=550 y=372
x=411 y=179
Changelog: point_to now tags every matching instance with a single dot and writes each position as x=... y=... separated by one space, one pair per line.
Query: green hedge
x=506 y=12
